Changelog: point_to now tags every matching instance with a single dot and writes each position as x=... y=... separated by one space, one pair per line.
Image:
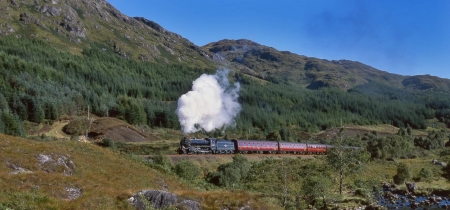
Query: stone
x=411 y=186
x=73 y=193
x=56 y=163
x=17 y=169
x=153 y=198
x=189 y=205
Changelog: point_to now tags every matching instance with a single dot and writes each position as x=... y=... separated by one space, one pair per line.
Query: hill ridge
x=267 y=63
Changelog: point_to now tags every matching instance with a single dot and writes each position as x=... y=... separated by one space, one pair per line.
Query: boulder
x=189 y=205
x=155 y=198
x=436 y=162
x=386 y=185
x=411 y=186
x=73 y=193
x=159 y=199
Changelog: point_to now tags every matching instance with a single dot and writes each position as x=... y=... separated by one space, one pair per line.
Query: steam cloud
x=212 y=103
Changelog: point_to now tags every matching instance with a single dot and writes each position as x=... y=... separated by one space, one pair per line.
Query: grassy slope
x=102 y=175
x=106 y=178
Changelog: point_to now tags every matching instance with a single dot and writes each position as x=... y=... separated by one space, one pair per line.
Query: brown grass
x=100 y=173
x=106 y=178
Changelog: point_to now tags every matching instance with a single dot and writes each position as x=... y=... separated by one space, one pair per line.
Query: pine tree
x=3 y=102
x=12 y=124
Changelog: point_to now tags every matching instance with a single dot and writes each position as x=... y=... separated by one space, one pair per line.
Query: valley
x=94 y=103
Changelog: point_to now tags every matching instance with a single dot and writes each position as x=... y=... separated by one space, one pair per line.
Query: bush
x=162 y=162
x=446 y=172
x=403 y=173
x=425 y=174
x=107 y=142
x=187 y=170
x=230 y=174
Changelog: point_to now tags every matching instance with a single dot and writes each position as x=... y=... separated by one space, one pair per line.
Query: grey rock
x=14 y=3
x=151 y=24
x=436 y=162
x=386 y=185
x=189 y=205
x=50 y=10
x=17 y=169
x=52 y=163
x=73 y=27
x=411 y=186
x=73 y=193
x=54 y=11
x=6 y=29
x=155 y=198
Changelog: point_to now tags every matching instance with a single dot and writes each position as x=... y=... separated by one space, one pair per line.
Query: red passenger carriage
x=291 y=147
x=256 y=146
x=318 y=149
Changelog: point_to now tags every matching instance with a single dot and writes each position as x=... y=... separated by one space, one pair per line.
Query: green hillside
x=41 y=84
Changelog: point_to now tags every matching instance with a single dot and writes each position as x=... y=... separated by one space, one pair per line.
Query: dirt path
x=57 y=128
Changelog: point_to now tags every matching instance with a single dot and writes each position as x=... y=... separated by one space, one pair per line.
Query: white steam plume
x=212 y=103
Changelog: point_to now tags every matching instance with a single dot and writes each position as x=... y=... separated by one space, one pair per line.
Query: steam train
x=220 y=146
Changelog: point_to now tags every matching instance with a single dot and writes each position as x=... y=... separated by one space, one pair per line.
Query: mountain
x=283 y=66
x=80 y=24
x=72 y=25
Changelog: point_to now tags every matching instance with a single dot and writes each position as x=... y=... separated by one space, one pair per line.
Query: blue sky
x=407 y=37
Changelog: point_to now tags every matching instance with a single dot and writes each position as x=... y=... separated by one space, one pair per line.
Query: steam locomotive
x=221 y=146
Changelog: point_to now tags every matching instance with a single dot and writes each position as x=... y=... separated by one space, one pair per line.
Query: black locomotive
x=206 y=146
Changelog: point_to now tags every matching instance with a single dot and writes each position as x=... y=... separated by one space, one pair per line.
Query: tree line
x=39 y=83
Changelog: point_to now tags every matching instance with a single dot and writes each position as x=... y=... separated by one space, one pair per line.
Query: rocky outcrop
x=56 y=164
x=160 y=200
x=73 y=193
x=27 y=18
x=73 y=27
x=50 y=10
x=151 y=24
x=189 y=205
x=6 y=29
x=17 y=169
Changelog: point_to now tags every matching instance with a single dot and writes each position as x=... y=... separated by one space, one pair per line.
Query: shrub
x=162 y=162
x=187 y=170
x=425 y=174
x=446 y=172
x=107 y=142
x=230 y=174
x=403 y=173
